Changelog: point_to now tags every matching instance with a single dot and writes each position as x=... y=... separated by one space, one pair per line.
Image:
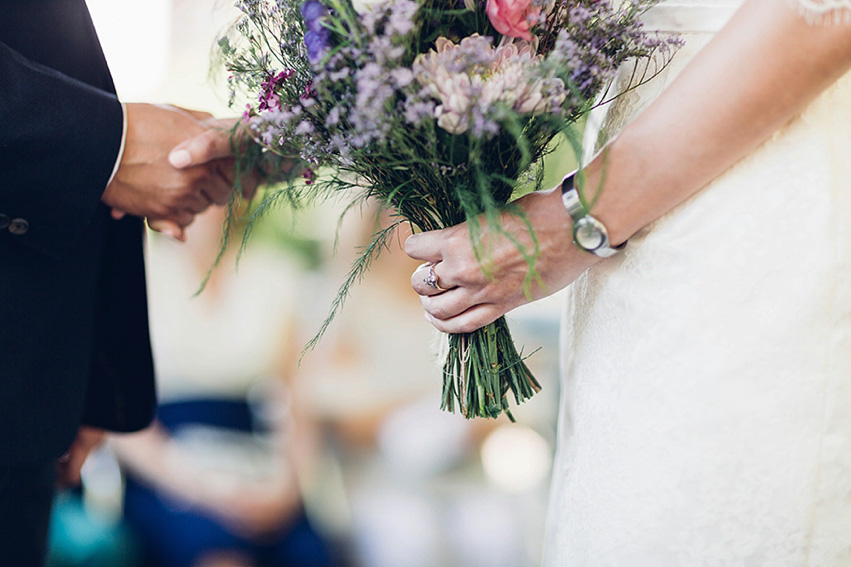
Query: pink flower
x=469 y=79
x=511 y=17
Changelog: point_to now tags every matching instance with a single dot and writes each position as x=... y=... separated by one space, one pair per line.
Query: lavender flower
x=317 y=37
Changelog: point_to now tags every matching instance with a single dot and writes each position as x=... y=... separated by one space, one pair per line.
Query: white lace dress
x=706 y=410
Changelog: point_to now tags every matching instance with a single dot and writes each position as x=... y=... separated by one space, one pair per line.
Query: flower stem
x=481 y=368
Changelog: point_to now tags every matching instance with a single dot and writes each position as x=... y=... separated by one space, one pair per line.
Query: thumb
x=210 y=145
x=425 y=246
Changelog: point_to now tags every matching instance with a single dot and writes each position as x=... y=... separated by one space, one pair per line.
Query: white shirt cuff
x=123 y=141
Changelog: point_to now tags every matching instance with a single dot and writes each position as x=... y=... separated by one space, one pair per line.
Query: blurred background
x=258 y=458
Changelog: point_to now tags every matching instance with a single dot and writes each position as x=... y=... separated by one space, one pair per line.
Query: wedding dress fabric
x=824 y=10
x=706 y=402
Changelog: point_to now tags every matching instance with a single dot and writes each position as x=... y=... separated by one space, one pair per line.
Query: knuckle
x=206 y=143
x=441 y=309
x=184 y=219
x=218 y=195
x=193 y=184
x=469 y=273
x=458 y=238
x=196 y=176
x=162 y=210
x=439 y=313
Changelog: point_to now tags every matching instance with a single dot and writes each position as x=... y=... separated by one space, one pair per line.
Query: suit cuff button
x=18 y=226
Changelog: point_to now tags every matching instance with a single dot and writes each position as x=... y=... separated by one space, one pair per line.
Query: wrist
x=589 y=233
x=121 y=146
x=616 y=182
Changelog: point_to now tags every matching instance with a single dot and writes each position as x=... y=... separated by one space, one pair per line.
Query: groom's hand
x=70 y=464
x=148 y=185
x=215 y=146
x=212 y=148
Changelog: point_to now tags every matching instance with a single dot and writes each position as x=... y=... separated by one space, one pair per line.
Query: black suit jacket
x=74 y=344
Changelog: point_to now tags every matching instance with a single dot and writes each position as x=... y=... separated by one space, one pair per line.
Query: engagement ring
x=431 y=279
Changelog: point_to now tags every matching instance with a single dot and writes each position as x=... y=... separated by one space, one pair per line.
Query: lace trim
x=824 y=11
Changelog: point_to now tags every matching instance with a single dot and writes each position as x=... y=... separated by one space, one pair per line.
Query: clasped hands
x=176 y=163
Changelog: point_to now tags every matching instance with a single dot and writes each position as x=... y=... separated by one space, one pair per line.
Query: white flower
x=450 y=121
x=364 y=6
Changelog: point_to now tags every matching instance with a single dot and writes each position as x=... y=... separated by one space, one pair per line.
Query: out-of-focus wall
x=162 y=50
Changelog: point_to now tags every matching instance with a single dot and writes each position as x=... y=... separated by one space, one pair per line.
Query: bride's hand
x=466 y=296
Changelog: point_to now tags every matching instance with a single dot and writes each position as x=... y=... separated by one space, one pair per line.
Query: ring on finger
x=431 y=279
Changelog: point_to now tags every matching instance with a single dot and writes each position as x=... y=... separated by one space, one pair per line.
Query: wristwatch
x=588 y=232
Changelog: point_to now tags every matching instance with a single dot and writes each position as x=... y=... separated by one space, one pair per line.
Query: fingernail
x=179 y=158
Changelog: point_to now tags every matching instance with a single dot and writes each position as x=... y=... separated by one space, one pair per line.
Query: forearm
x=760 y=71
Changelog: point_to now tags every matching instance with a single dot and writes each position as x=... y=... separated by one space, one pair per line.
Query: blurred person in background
x=215 y=480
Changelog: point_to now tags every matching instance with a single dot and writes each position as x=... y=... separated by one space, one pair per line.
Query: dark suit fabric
x=74 y=344
x=26 y=494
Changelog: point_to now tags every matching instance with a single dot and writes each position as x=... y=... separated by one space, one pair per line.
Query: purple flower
x=269 y=99
x=316 y=37
x=313 y=11
x=317 y=44
x=309 y=91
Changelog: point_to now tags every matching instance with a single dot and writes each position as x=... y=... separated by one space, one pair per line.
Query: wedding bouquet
x=441 y=109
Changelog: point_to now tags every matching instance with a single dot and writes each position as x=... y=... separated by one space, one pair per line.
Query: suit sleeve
x=59 y=139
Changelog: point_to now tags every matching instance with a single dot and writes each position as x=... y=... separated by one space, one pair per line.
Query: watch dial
x=588 y=235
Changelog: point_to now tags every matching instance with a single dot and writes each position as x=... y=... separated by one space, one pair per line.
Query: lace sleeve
x=824 y=11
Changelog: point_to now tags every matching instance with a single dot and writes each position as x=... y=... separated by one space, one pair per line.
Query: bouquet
x=441 y=109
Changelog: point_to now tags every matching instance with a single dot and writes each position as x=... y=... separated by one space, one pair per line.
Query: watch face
x=588 y=234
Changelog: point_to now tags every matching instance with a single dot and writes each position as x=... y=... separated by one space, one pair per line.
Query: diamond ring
x=431 y=279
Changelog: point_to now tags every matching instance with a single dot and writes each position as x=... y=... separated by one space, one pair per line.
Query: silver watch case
x=588 y=232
